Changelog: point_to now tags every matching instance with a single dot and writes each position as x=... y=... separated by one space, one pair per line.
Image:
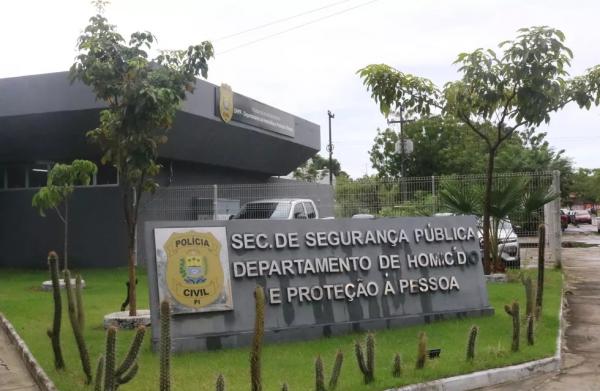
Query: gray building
x=43 y=120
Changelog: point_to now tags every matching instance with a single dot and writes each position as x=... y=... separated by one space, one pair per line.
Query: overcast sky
x=312 y=68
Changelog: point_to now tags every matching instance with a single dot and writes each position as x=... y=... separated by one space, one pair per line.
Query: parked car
x=279 y=209
x=564 y=220
x=508 y=243
x=583 y=217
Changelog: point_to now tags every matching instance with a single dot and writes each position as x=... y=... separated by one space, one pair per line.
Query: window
x=265 y=210
x=107 y=175
x=310 y=210
x=16 y=177
x=38 y=175
x=299 y=212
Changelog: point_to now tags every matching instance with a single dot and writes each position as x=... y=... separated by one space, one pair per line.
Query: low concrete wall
x=36 y=371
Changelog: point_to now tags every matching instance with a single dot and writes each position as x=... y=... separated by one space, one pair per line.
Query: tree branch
x=468 y=122
x=60 y=216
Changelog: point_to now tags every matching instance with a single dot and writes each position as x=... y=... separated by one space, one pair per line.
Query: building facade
x=44 y=119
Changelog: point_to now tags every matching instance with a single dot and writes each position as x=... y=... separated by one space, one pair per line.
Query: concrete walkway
x=14 y=376
x=581 y=346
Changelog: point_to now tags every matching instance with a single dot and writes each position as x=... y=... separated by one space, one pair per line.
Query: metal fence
x=384 y=198
x=380 y=198
x=420 y=196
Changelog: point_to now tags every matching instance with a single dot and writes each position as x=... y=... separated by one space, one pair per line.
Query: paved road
x=581 y=345
x=583 y=228
x=13 y=373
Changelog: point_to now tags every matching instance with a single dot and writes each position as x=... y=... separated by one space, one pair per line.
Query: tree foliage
x=586 y=185
x=317 y=168
x=497 y=94
x=142 y=96
x=516 y=198
x=61 y=182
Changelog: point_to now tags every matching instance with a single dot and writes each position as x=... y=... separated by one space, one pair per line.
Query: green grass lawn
x=30 y=311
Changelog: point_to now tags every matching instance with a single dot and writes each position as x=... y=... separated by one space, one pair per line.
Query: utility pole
x=330 y=115
x=401 y=121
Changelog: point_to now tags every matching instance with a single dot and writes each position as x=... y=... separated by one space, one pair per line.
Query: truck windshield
x=265 y=210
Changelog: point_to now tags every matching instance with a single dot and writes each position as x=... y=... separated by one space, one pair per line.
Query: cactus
x=109 y=359
x=540 y=277
x=528 y=295
x=397 y=367
x=319 y=376
x=367 y=367
x=335 y=372
x=109 y=376
x=371 y=355
x=165 y=346
x=99 y=383
x=422 y=350
x=513 y=311
x=54 y=333
x=220 y=383
x=530 y=330
x=259 y=330
x=76 y=316
x=471 y=342
x=337 y=368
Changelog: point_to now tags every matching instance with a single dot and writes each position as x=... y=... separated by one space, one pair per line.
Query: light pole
x=403 y=150
x=330 y=115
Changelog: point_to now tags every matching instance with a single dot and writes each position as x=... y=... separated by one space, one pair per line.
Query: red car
x=564 y=220
x=583 y=217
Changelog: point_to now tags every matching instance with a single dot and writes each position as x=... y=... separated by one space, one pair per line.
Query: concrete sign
x=321 y=277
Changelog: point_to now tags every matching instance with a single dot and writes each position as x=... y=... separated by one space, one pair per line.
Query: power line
x=277 y=21
x=297 y=27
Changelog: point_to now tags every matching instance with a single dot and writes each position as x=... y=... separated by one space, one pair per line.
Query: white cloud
x=312 y=69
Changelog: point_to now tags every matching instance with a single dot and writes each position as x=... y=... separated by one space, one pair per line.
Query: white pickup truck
x=279 y=209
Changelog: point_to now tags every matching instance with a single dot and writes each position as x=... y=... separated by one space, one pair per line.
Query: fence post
x=215 y=201
x=434 y=199
x=552 y=221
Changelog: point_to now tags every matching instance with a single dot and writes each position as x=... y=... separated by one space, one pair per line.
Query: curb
x=496 y=376
x=36 y=371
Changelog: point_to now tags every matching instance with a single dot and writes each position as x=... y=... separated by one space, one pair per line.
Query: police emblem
x=226 y=102
x=194 y=272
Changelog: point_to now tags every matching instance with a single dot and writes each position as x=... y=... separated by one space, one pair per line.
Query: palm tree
x=513 y=197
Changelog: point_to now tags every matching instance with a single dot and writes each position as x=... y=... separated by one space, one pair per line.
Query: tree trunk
x=66 y=240
x=132 y=273
x=487 y=206
x=129 y=207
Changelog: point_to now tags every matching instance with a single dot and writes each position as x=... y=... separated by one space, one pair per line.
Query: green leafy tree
x=586 y=185
x=497 y=95
x=142 y=96
x=442 y=146
x=61 y=182
x=317 y=168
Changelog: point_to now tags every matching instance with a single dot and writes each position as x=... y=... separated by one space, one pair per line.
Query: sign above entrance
x=235 y=107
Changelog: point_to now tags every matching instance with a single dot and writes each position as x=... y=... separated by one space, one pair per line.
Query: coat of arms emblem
x=194 y=272
x=226 y=102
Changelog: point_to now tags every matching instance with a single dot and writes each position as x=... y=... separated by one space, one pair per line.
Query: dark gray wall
x=97 y=230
